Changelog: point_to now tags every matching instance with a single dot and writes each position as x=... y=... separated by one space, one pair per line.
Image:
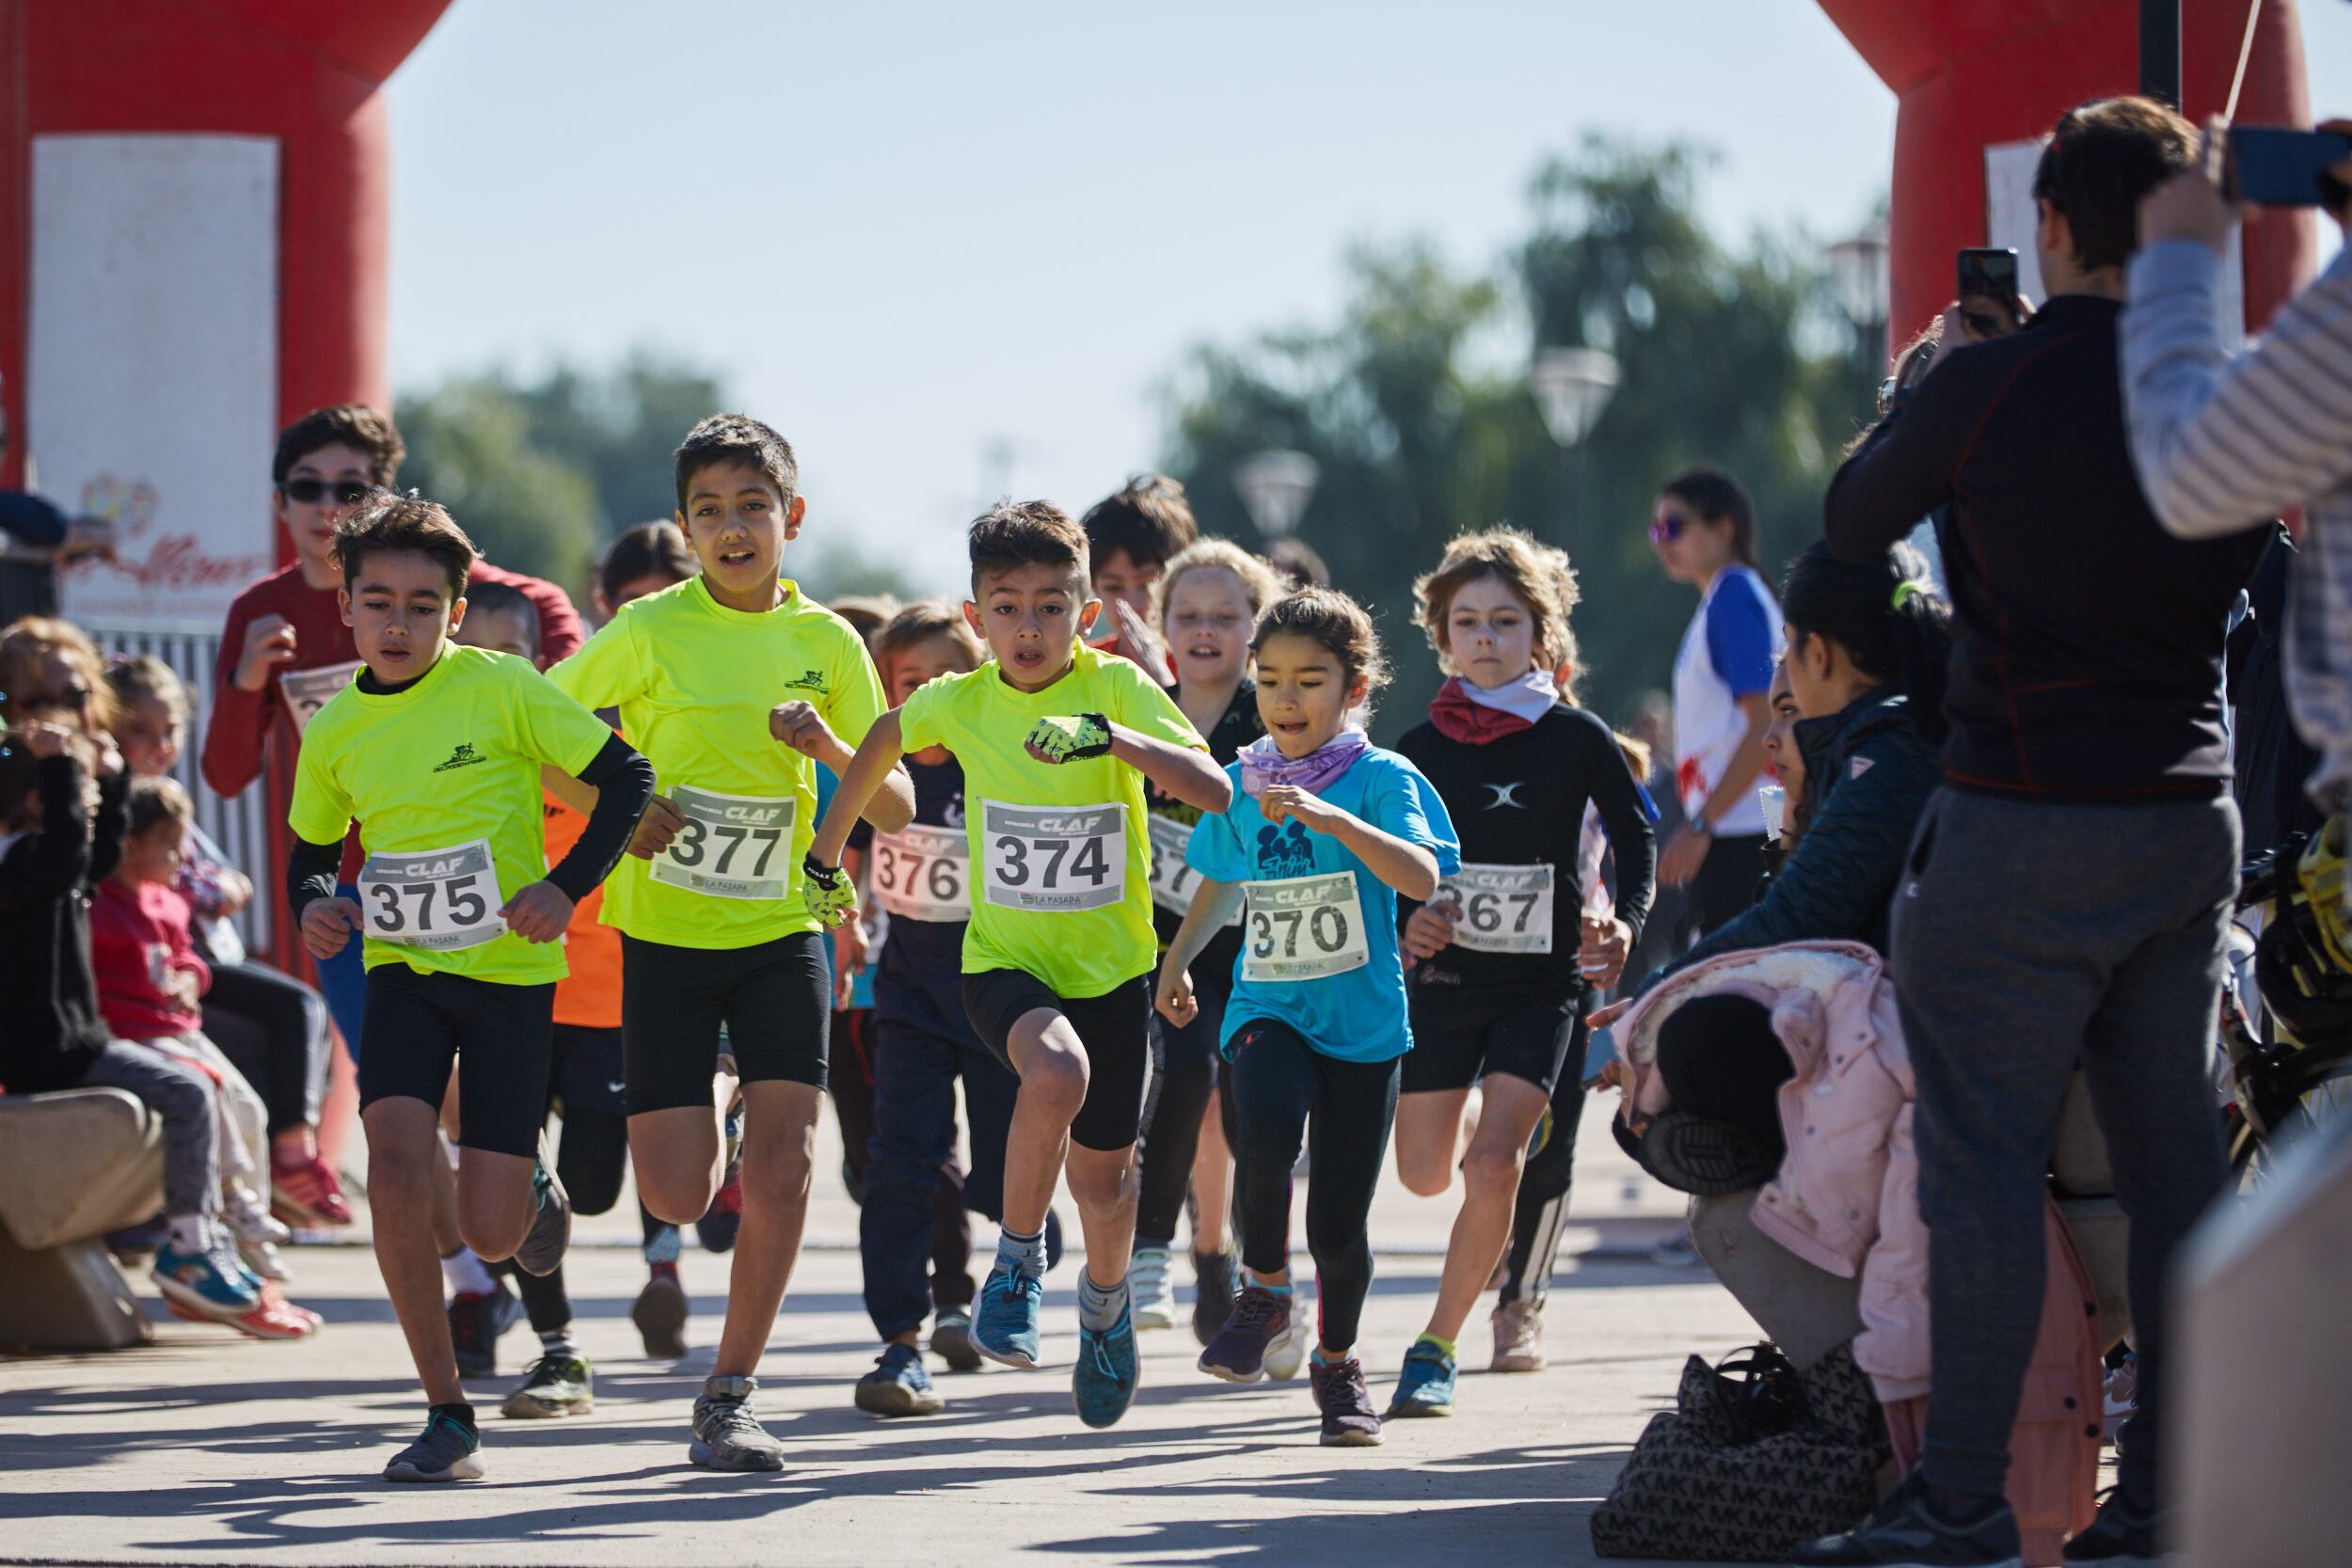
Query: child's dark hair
x=343 y=424
x=1338 y=623
x=1013 y=534
x=737 y=439
x=143 y=677
x=1298 y=561
x=1148 y=518
x=504 y=598
x=918 y=623
x=1717 y=496
x=154 y=801
x=2104 y=156
x=387 y=524
x=1885 y=617
x=650 y=549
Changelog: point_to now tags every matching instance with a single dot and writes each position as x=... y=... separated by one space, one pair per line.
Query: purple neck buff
x=1262 y=763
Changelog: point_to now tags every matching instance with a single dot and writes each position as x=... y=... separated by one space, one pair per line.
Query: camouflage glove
x=1087 y=734
x=831 y=897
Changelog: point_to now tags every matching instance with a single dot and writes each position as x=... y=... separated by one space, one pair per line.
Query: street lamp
x=1857 y=271
x=1572 y=386
x=1275 y=487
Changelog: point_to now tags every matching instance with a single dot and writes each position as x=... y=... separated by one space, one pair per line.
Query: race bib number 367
x=1505 y=909
x=1053 y=859
x=732 y=845
x=442 y=900
x=1304 y=928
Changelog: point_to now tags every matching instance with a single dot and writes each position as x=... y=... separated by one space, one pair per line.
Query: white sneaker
x=263 y=1258
x=249 y=1219
x=1154 y=1297
x=1287 y=1351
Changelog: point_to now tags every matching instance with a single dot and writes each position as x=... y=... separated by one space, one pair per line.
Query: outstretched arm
x=875 y=764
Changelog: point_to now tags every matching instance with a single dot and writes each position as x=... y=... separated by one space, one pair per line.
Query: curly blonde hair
x=1259 y=583
x=1538 y=575
x=27 y=645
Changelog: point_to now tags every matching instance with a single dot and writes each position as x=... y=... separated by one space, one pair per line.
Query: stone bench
x=73 y=1166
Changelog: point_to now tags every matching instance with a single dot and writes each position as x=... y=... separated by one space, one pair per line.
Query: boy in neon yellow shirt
x=437 y=751
x=735 y=687
x=1056 y=740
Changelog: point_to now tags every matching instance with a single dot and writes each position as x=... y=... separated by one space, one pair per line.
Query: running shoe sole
x=1015 y=1360
x=550 y=1233
x=1231 y=1374
x=879 y=1398
x=467 y=1468
x=196 y=1302
x=661 y=1320
x=1703 y=1157
x=1354 y=1439
x=954 y=1346
x=700 y=1453
x=1415 y=1412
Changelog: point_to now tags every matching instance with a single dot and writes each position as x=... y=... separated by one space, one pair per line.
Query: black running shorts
x=1462 y=1033
x=775 y=998
x=498 y=1036
x=588 y=1073
x=1115 y=1028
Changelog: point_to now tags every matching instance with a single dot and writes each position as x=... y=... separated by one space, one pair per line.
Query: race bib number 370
x=441 y=899
x=1304 y=928
x=1505 y=909
x=1056 y=860
x=732 y=845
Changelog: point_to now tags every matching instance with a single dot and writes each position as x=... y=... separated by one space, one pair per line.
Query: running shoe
x=1906 y=1531
x=1287 y=1351
x=724 y=1220
x=204 y=1283
x=248 y=1218
x=261 y=1258
x=1005 y=1328
x=550 y=1230
x=1426 y=1386
x=476 y=1318
x=951 y=1339
x=660 y=1314
x=1348 y=1419
x=448 y=1451
x=1215 y=1293
x=1519 y=1337
x=1238 y=1353
x=2120 y=1394
x=305 y=1190
x=557 y=1385
x=898 y=1386
x=1154 y=1297
x=273 y=1318
x=727 y=1437
x=1697 y=1154
x=1102 y=1385
x=2125 y=1535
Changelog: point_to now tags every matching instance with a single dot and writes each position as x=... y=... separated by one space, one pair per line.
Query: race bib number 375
x=441 y=899
x=1057 y=860
x=1304 y=928
x=732 y=845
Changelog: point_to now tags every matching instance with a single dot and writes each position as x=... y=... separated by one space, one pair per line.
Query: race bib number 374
x=441 y=899
x=732 y=845
x=1056 y=860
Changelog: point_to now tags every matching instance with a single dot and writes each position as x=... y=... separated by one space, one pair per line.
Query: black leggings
x=273 y=1028
x=1279 y=1082
x=1539 y=1214
x=1186 y=1062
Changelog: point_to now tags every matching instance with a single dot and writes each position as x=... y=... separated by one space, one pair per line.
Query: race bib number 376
x=441 y=899
x=923 y=873
x=732 y=845
x=1057 y=860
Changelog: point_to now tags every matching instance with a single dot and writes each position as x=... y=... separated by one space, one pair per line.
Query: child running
x=1056 y=741
x=1209 y=598
x=437 y=752
x=1325 y=829
x=735 y=687
x=1503 y=952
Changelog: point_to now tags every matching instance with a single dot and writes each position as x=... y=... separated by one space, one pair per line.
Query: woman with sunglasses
x=1704 y=532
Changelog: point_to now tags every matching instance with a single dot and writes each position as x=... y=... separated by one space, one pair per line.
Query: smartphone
x=1600 y=1050
x=1987 y=273
x=2275 y=168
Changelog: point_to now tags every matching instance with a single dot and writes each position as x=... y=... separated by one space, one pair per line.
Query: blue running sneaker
x=202 y=1283
x=898 y=1386
x=1005 y=1329
x=1426 y=1386
x=1104 y=1383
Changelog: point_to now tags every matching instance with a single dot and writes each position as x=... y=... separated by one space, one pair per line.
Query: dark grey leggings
x=1279 y=1082
x=274 y=1028
x=182 y=1097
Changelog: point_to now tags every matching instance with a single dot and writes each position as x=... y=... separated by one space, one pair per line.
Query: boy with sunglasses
x=285 y=649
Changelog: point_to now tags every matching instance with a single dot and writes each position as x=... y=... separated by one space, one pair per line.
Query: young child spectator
x=1131 y=537
x=270 y=1025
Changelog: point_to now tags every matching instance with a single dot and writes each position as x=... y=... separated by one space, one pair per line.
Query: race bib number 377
x=1304 y=928
x=732 y=845
x=1057 y=860
x=441 y=899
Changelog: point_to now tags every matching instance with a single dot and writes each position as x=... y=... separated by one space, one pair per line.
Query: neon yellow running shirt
x=1061 y=855
x=443 y=778
x=694 y=682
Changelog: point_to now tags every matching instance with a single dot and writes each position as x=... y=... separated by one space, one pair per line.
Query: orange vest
x=590 y=996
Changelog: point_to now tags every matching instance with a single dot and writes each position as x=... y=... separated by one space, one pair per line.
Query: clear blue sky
x=908 y=234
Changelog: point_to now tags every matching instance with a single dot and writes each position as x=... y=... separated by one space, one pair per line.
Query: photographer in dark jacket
x=2067 y=896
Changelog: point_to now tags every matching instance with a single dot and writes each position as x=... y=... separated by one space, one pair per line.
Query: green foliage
x=1727 y=359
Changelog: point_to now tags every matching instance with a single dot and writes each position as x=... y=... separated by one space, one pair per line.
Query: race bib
x=732 y=845
x=1304 y=928
x=306 y=690
x=923 y=873
x=1505 y=909
x=441 y=899
x=1173 y=883
x=1057 y=860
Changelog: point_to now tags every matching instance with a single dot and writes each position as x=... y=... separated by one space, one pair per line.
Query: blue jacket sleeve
x=30 y=520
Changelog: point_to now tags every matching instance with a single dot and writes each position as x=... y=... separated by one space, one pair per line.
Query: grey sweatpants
x=2029 y=937
x=183 y=1097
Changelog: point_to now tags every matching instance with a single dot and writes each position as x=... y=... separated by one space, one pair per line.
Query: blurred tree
x=472 y=448
x=1726 y=359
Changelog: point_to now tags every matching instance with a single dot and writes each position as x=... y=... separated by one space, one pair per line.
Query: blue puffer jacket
x=1869 y=772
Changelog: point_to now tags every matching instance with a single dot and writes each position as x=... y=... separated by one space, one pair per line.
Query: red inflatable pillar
x=1979 y=76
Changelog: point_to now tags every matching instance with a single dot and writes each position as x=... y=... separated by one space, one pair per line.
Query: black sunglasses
x=309 y=492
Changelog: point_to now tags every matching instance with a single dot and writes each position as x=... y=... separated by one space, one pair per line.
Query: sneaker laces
x=722 y=1420
x=1256 y=1309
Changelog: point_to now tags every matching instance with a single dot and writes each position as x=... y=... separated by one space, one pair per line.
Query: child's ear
x=796 y=515
x=971 y=619
x=457 y=615
x=1357 y=690
x=1088 y=614
x=343 y=603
